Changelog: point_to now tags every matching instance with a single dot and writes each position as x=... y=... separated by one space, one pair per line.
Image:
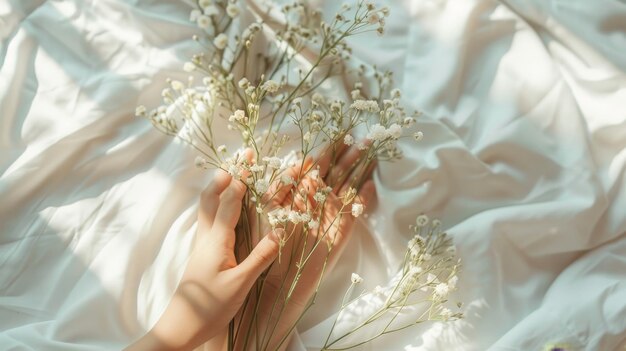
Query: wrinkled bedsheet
x=524 y=160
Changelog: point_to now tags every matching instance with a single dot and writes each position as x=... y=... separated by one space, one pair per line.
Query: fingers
x=259 y=259
x=279 y=190
x=228 y=212
x=339 y=174
x=333 y=152
x=351 y=181
x=209 y=199
x=367 y=194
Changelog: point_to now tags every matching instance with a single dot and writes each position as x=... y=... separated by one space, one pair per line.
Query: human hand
x=333 y=231
x=214 y=285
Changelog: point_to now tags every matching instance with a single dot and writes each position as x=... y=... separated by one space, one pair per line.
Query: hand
x=213 y=286
x=334 y=231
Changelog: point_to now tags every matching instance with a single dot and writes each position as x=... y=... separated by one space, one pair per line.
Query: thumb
x=261 y=257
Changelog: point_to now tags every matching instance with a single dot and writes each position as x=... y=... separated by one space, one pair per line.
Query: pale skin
x=214 y=285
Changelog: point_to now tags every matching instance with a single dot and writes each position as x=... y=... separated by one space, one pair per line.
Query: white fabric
x=523 y=159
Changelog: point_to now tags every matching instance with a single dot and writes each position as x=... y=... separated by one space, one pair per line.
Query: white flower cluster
x=283 y=216
x=365 y=105
x=378 y=132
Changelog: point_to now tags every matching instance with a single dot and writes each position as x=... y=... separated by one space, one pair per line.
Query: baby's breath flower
x=273 y=162
x=189 y=67
x=237 y=116
x=408 y=121
x=261 y=186
x=177 y=85
x=233 y=10
x=319 y=197
x=244 y=83
x=270 y=86
x=356 y=94
x=418 y=136
x=221 y=41
x=377 y=132
x=357 y=209
x=361 y=146
x=200 y=161
x=422 y=220
x=442 y=290
x=365 y=105
x=194 y=14
x=356 y=279
x=256 y=168
x=203 y=21
x=140 y=111
x=394 y=131
x=221 y=148
x=348 y=139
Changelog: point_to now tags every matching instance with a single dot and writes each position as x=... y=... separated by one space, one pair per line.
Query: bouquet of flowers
x=266 y=73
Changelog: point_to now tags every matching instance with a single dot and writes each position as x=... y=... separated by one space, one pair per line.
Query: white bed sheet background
x=523 y=159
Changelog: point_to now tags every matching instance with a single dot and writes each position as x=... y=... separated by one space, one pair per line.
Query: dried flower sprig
x=428 y=275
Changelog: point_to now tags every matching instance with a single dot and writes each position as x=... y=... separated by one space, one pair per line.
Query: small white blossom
x=408 y=121
x=193 y=16
x=221 y=41
x=273 y=162
x=396 y=93
x=377 y=132
x=256 y=168
x=177 y=85
x=418 y=136
x=140 y=110
x=319 y=197
x=270 y=86
x=361 y=146
x=244 y=83
x=234 y=171
x=200 y=161
x=442 y=290
x=356 y=279
x=204 y=3
x=357 y=209
x=237 y=116
x=356 y=94
x=221 y=148
x=422 y=220
x=189 y=67
x=203 y=21
x=261 y=186
x=348 y=139
x=233 y=10
x=365 y=105
x=394 y=131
